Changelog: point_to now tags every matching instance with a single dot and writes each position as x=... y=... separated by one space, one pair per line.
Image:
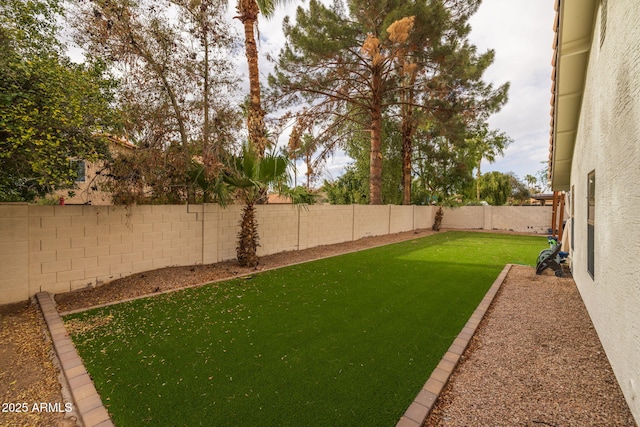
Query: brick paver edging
x=86 y=400
x=419 y=409
x=93 y=413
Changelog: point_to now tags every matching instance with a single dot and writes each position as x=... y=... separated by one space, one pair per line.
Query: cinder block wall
x=527 y=219
x=14 y=252
x=423 y=217
x=464 y=217
x=63 y=248
x=278 y=226
x=371 y=221
x=72 y=247
x=228 y=224
x=325 y=225
x=401 y=218
x=522 y=219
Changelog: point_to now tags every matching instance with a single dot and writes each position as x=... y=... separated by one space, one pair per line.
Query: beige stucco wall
x=63 y=248
x=608 y=141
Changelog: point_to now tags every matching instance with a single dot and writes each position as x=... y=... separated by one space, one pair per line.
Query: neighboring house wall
x=608 y=142
x=62 y=248
x=86 y=190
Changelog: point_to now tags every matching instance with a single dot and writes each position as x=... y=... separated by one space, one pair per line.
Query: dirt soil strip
x=30 y=393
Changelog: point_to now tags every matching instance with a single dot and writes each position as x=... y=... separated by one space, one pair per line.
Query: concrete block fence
x=63 y=248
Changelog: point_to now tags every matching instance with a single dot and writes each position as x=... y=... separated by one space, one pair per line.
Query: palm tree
x=532 y=181
x=486 y=144
x=250 y=177
x=248 y=11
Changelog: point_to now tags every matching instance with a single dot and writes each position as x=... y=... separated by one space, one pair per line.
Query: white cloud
x=521 y=33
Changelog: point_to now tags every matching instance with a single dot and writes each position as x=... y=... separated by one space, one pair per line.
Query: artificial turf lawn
x=347 y=340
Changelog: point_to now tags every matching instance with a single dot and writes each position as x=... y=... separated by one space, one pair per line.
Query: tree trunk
x=407 y=149
x=248 y=237
x=207 y=154
x=478 y=183
x=184 y=137
x=255 y=115
x=408 y=127
x=375 y=166
x=308 y=161
x=437 y=223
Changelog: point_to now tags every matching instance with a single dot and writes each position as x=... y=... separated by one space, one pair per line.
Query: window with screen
x=591 y=222
x=79 y=166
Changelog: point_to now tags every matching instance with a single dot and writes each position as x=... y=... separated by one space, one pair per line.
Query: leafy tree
x=176 y=80
x=495 y=188
x=250 y=176
x=520 y=194
x=52 y=111
x=440 y=77
x=369 y=60
x=531 y=182
x=543 y=178
x=356 y=147
x=486 y=144
x=303 y=145
x=348 y=189
x=442 y=166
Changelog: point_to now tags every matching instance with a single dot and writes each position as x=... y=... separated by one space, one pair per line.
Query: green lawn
x=348 y=340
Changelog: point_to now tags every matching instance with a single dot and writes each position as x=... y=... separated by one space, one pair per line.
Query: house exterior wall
x=608 y=142
x=84 y=191
x=88 y=191
x=63 y=248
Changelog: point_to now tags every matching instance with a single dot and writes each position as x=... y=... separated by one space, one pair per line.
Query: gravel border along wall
x=535 y=360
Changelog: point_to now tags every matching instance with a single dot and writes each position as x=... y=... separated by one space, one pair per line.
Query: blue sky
x=521 y=33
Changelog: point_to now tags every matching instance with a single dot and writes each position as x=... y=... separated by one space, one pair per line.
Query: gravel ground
x=535 y=360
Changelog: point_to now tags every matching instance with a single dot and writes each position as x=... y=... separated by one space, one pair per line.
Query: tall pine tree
x=340 y=60
x=354 y=63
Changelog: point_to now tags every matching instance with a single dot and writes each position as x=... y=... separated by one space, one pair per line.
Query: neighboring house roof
x=541 y=197
x=574 y=29
x=276 y=199
x=121 y=142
